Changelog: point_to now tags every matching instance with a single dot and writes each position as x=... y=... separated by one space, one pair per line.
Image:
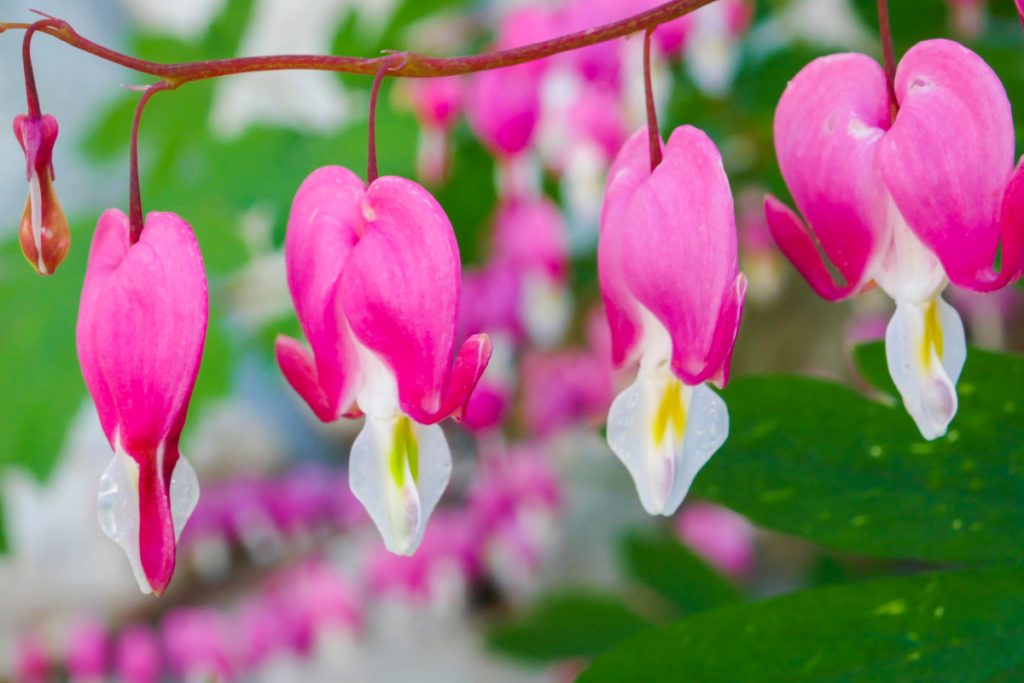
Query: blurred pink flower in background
x=200 y=644
x=530 y=239
x=515 y=503
x=87 y=647
x=987 y=314
x=446 y=561
x=760 y=258
x=314 y=599
x=437 y=104
x=137 y=657
x=719 y=535
x=565 y=387
x=32 y=661
x=968 y=18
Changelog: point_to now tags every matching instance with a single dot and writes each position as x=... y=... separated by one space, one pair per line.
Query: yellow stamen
x=932 y=336
x=671 y=411
x=405 y=448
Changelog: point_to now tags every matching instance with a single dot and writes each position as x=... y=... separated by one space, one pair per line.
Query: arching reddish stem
x=34 y=110
x=652 y=116
x=415 y=65
x=135 y=218
x=888 y=56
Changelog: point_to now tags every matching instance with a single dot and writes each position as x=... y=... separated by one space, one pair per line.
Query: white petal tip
x=118 y=507
x=642 y=432
x=400 y=512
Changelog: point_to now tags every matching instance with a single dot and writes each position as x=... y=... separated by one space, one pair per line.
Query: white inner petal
x=925 y=348
x=400 y=510
x=398 y=469
x=35 y=194
x=119 y=510
x=925 y=345
x=662 y=430
x=184 y=494
x=909 y=270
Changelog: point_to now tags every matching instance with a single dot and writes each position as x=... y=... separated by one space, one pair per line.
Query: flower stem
x=888 y=56
x=415 y=65
x=135 y=218
x=371 y=153
x=34 y=110
x=652 y=115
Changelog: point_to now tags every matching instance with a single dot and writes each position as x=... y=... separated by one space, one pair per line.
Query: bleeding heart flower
x=674 y=298
x=141 y=328
x=375 y=277
x=908 y=204
x=44 y=234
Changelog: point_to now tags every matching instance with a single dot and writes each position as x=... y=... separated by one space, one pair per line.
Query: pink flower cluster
x=290 y=613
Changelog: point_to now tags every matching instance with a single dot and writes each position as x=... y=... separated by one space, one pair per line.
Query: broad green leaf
x=815 y=459
x=667 y=566
x=960 y=626
x=569 y=625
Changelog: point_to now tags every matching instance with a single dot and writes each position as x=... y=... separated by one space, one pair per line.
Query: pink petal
x=949 y=156
x=469 y=366
x=827 y=128
x=323 y=228
x=141 y=328
x=299 y=369
x=631 y=167
x=1012 y=227
x=400 y=291
x=728 y=326
x=679 y=255
x=797 y=243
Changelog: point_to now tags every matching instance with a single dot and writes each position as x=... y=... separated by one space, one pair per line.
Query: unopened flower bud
x=44 y=234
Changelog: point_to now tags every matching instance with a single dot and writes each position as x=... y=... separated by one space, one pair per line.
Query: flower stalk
x=888 y=56
x=652 y=115
x=371 y=154
x=136 y=220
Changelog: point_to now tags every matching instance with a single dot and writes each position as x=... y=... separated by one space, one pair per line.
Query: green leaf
x=961 y=626
x=668 y=567
x=569 y=625
x=813 y=458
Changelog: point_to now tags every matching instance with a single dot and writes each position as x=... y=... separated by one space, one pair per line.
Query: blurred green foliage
x=566 y=625
x=671 y=569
